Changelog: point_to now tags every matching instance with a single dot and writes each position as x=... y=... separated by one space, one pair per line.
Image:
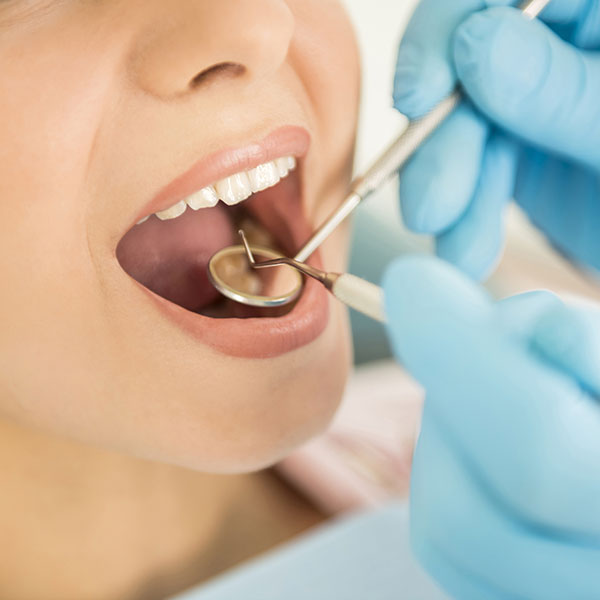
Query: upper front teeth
x=234 y=189
x=173 y=211
x=205 y=198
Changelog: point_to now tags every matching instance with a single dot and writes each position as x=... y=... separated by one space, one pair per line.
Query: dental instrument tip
x=247 y=247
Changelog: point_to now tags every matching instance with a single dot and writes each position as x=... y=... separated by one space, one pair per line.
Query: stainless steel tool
x=359 y=294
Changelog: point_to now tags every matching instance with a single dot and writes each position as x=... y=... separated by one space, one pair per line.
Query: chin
x=263 y=415
x=303 y=408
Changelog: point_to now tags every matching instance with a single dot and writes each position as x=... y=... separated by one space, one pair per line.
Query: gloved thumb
x=434 y=314
x=531 y=82
x=569 y=337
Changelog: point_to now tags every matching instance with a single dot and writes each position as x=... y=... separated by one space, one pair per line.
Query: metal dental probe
x=392 y=159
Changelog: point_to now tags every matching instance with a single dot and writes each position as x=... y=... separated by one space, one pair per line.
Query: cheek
x=50 y=105
x=51 y=99
x=325 y=54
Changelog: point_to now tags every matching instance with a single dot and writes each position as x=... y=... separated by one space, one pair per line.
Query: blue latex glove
x=505 y=493
x=531 y=129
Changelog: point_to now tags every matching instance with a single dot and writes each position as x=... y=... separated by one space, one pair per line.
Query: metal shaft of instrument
x=397 y=154
x=325 y=278
x=532 y=8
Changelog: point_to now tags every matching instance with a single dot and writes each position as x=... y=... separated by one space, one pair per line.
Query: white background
x=379 y=25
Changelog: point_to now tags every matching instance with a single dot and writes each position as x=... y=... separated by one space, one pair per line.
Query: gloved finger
x=522 y=421
x=429 y=305
x=424 y=70
x=569 y=337
x=425 y=67
x=437 y=184
x=537 y=433
x=567 y=12
x=578 y=21
x=453 y=578
x=532 y=83
x=518 y=316
x=475 y=242
x=562 y=200
x=458 y=522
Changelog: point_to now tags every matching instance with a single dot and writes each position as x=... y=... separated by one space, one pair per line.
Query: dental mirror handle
x=397 y=154
x=359 y=294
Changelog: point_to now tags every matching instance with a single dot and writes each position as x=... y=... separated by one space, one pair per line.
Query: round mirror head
x=233 y=276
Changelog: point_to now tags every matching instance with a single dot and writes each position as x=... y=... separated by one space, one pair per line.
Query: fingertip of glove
x=428 y=205
x=420 y=81
x=430 y=307
x=570 y=337
x=417 y=212
x=407 y=286
x=421 y=283
x=495 y=56
x=420 y=288
x=408 y=271
x=473 y=251
x=477 y=265
x=557 y=330
x=471 y=46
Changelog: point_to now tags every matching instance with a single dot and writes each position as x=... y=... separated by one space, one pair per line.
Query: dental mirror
x=232 y=275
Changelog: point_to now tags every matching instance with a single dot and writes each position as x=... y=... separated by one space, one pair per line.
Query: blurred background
x=379 y=32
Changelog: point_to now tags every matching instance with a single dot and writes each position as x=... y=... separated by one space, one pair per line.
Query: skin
x=97 y=114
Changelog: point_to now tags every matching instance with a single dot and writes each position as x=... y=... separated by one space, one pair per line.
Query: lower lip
x=264 y=337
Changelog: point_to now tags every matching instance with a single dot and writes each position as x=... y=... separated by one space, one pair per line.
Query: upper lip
x=286 y=141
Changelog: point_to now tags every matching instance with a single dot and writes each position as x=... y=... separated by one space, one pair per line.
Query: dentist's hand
x=531 y=129
x=505 y=486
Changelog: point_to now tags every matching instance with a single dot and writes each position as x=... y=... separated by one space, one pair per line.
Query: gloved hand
x=531 y=129
x=505 y=491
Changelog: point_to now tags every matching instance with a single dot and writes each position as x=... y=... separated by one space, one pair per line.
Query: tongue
x=170 y=257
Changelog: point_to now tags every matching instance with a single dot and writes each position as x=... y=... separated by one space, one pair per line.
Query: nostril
x=225 y=70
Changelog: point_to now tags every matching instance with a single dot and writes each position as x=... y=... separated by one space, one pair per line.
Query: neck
x=81 y=522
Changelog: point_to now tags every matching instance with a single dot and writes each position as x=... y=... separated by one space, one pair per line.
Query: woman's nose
x=190 y=42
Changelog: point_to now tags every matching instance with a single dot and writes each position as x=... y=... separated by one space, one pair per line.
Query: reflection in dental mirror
x=234 y=270
x=231 y=273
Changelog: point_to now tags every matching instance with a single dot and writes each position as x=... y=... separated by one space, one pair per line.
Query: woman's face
x=111 y=110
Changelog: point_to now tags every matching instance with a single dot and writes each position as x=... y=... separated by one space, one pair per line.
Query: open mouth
x=168 y=252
